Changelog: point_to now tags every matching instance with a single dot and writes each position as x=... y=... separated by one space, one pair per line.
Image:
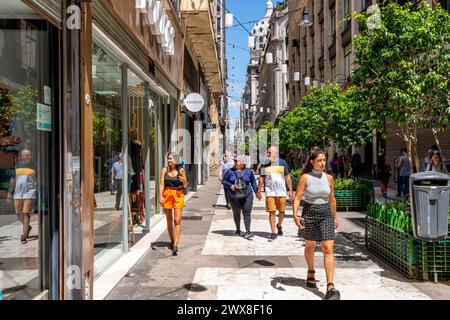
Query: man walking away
x=404 y=172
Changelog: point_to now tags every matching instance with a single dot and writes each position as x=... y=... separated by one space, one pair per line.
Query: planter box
x=349 y=200
x=434 y=260
x=413 y=258
x=397 y=249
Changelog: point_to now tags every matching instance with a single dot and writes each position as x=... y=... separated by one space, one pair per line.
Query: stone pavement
x=213 y=264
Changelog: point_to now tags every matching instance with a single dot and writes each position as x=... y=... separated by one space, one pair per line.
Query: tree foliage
x=327 y=114
x=404 y=66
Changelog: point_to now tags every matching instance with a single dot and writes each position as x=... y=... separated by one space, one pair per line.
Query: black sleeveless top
x=172 y=182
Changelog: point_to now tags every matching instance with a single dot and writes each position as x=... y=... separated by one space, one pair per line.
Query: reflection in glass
x=25 y=149
x=107 y=127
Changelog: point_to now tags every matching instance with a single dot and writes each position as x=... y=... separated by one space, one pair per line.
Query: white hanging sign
x=194 y=102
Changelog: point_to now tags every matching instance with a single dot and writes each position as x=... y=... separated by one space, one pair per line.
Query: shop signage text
x=159 y=23
x=194 y=102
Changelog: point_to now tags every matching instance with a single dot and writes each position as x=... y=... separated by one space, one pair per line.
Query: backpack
x=241 y=187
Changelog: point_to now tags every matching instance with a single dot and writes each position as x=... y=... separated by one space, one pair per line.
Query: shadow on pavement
x=294 y=282
x=194 y=287
x=230 y=233
x=264 y=263
x=160 y=244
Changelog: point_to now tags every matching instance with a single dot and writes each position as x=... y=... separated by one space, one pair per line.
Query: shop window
x=108 y=128
x=27 y=156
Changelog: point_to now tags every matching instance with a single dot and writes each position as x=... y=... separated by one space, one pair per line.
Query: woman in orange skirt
x=173 y=181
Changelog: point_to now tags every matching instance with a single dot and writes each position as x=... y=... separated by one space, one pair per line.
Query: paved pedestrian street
x=215 y=264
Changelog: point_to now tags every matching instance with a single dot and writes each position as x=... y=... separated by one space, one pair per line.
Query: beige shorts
x=276 y=204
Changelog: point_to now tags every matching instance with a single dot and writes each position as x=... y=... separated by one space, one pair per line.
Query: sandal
x=332 y=293
x=23 y=239
x=311 y=281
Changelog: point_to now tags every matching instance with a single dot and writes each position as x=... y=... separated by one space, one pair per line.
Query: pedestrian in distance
x=239 y=183
x=404 y=172
x=318 y=220
x=435 y=149
x=275 y=174
x=383 y=174
x=226 y=165
x=436 y=165
x=173 y=181
x=427 y=160
x=356 y=164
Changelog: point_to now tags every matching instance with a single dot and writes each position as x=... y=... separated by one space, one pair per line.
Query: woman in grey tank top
x=319 y=219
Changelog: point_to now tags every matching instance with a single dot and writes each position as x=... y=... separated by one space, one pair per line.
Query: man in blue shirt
x=117 y=177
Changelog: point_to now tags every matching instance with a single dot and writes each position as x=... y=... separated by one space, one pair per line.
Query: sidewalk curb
x=106 y=283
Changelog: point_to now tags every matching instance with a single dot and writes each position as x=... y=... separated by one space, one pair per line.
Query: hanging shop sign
x=194 y=102
x=159 y=23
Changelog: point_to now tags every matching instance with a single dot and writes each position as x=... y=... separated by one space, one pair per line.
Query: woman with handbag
x=238 y=182
x=173 y=182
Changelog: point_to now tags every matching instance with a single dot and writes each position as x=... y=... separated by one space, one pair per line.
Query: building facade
x=323 y=54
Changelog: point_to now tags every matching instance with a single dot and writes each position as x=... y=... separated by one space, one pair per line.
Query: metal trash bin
x=429 y=193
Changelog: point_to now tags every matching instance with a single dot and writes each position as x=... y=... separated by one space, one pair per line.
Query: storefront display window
x=27 y=142
x=108 y=159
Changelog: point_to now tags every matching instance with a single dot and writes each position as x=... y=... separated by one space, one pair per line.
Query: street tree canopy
x=404 y=68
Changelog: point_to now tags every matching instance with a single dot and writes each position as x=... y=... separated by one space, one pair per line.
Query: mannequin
x=137 y=163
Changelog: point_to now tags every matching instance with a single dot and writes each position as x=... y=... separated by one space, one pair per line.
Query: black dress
x=136 y=161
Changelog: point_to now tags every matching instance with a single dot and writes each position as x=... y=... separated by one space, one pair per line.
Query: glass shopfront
x=28 y=144
x=108 y=128
x=125 y=148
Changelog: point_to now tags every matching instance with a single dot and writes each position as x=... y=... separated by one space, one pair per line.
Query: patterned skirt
x=319 y=222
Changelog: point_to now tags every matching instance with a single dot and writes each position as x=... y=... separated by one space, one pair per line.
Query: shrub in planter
x=351 y=184
x=395 y=214
x=295 y=174
x=352 y=194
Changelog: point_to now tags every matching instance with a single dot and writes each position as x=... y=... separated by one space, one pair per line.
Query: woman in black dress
x=383 y=174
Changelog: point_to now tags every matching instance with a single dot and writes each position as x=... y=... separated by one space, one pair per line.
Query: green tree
x=404 y=67
x=327 y=114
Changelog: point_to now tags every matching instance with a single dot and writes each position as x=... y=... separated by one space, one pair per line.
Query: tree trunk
x=436 y=140
x=415 y=157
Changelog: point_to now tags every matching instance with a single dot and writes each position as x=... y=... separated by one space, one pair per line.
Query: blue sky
x=238 y=56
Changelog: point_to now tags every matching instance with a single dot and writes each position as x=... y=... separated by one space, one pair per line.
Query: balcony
x=198 y=18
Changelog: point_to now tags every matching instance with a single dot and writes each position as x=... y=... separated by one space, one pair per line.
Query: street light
x=306 y=22
x=269 y=60
x=228 y=20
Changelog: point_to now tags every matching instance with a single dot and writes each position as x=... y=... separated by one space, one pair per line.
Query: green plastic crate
x=434 y=260
x=396 y=248
x=348 y=200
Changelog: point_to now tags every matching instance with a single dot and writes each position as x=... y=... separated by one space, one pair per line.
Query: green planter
x=434 y=260
x=413 y=258
x=349 y=200
x=397 y=249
